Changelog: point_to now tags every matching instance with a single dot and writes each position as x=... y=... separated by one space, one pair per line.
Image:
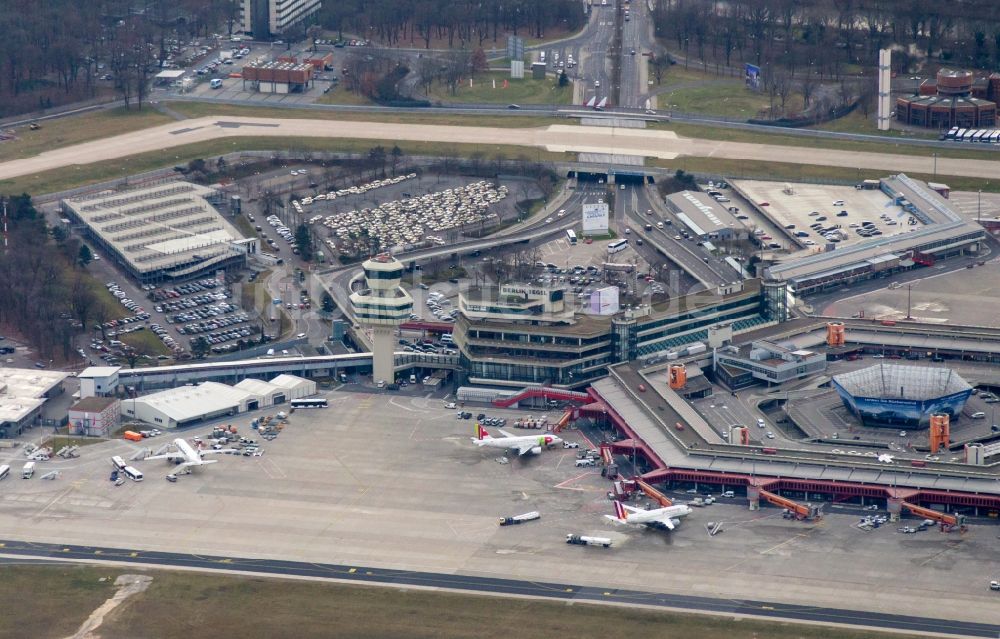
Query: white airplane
x=523 y=444
x=667 y=517
x=186 y=456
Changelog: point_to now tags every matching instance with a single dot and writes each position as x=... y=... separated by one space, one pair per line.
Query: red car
x=764 y=204
x=642 y=388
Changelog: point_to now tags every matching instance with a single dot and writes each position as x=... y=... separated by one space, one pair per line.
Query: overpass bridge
x=152 y=378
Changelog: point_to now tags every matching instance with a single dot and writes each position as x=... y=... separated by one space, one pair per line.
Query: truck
x=583 y=540
x=28 y=471
x=519 y=519
x=132 y=436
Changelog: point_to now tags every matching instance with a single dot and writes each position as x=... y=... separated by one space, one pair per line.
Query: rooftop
x=164 y=226
x=99 y=371
x=22 y=390
x=902 y=382
x=92 y=404
x=189 y=402
x=701 y=213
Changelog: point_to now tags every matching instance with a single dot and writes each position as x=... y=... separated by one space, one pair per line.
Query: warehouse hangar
x=893 y=395
x=161 y=233
x=23 y=392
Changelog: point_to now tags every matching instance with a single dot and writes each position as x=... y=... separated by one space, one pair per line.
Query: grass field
x=726 y=98
x=181 y=605
x=855 y=122
x=65 y=178
x=201 y=109
x=76 y=129
x=58 y=441
x=523 y=91
x=340 y=95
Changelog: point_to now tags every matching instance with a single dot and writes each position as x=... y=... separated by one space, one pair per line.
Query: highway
x=20 y=550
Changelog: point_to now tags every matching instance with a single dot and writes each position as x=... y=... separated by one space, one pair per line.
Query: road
x=555 y=138
x=469 y=583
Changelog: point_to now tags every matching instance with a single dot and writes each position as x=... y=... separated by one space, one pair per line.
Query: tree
x=478 y=61
x=303 y=242
x=199 y=347
x=327 y=303
x=563 y=78
x=396 y=154
x=659 y=63
x=85 y=257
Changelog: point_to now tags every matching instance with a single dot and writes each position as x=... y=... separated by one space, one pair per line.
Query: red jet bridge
x=549 y=394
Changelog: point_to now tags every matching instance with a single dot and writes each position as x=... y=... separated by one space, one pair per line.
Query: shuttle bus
x=132 y=473
x=309 y=403
x=617 y=246
x=571 y=236
x=951 y=133
x=4 y=471
x=118 y=463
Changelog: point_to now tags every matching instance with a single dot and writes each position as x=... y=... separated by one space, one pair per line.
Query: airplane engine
x=537 y=450
x=675 y=522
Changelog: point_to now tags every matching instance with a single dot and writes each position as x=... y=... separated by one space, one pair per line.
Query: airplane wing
x=222 y=451
x=525 y=447
x=504 y=433
x=170 y=456
x=663 y=522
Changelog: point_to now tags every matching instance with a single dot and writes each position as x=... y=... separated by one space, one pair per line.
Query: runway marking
x=564 y=486
x=784 y=543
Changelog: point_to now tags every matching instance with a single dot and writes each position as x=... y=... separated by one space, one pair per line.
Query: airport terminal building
x=515 y=341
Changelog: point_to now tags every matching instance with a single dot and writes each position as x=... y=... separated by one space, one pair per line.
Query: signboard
x=515 y=48
x=517 y=69
x=595 y=219
x=752 y=76
x=604 y=301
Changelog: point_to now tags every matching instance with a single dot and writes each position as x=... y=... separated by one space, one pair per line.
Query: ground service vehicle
x=132 y=436
x=582 y=540
x=28 y=471
x=309 y=403
x=519 y=519
x=571 y=236
x=4 y=470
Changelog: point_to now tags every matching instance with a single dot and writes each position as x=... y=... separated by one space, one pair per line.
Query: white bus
x=118 y=462
x=309 y=403
x=571 y=236
x=4 y=470
x=617 y=246
x=132 y=473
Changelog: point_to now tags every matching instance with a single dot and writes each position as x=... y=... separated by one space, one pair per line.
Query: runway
x=555 y=138
x=471 y=583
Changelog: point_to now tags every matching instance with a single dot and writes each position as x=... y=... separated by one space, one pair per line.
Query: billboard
x=751 y=74
x=595 y=219
x=892 y=412
x=604 y=301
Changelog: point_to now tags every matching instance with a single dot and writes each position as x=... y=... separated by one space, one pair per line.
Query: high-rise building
x=381 y=306
x=265 y=18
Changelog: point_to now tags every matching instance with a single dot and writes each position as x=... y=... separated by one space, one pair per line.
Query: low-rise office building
x=766 y=362
x=95 y=416
x=98 y=381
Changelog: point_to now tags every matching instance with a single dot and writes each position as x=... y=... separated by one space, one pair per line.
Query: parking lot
x=396 y=483
x=805 y=210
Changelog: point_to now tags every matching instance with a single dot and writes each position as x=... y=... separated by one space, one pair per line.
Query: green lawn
x=855 y=122
x=50 y=602
x=523 y=91
x=726 y=98
x=69 y=177
x=77 y=129
x=202 y=109
x=340 y=95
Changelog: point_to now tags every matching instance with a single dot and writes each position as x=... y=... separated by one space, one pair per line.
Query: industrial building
x=192 y=404
x=263 y=19
x=902 y=396
x=95 y=416
x=280 y=76
x=952 y=99
x=765 y=361
x=98 y=381
x=161 y=233
x=704 y=217
x=23 y=392
x=944 y=233
x=509 y=340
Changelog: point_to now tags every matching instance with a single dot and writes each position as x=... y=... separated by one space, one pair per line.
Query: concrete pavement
x=557 y=138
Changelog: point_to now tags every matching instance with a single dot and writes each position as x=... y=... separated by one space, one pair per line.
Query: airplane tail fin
x=481 y=433
x=619 y=511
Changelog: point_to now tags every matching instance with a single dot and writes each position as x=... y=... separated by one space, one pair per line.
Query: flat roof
x=190 y=402
x=99 y=371
x=159 y=227
x=701 y=214
x=22 y=390
x=92 y=404
x=287 y=381
x=169 y=74
x=258 y=387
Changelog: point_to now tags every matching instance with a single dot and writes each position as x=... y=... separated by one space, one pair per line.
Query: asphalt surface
x=558 y=591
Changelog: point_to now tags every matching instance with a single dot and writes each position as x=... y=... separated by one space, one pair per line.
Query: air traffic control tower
x=382 y=305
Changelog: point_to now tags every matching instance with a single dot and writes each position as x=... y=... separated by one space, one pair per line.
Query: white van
x=447 y=339
x=28 y=471
x=978 y=415
x=216 y=83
